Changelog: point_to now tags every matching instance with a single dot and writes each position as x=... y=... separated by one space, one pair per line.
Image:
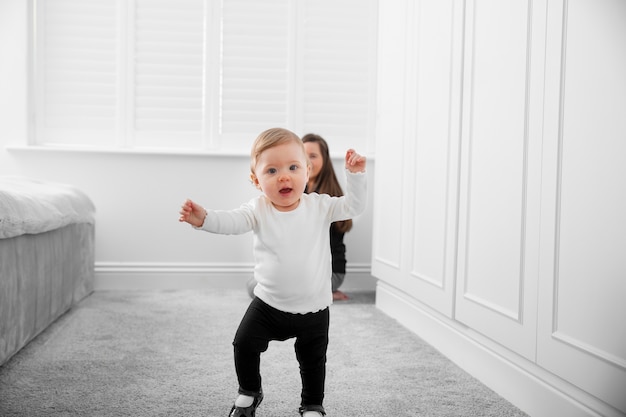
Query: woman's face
x=315 y=157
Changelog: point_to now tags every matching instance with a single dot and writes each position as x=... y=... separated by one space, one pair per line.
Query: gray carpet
x=169 y=354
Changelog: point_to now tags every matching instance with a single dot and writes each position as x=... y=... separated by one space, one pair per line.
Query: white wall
x=139 y=241
x=502 y=244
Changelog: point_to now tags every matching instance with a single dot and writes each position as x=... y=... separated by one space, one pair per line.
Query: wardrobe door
x=581 y=334
x=496 y=292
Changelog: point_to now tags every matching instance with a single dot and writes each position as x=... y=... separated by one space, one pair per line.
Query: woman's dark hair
x=326 y=181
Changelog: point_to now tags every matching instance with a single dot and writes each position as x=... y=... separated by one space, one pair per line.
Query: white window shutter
x=203 y=74
x=338 y=71
x=255 y=80
x=76 y=71
x=167 y=76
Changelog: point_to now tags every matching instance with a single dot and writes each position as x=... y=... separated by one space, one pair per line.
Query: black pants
x=263 y=323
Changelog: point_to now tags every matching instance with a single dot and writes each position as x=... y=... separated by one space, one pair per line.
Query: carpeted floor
x=169 y=354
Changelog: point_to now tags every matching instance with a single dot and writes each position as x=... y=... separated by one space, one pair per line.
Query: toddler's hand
x=354 y=161
x=192 y=213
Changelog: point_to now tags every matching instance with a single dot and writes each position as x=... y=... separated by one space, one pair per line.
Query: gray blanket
x=29 y=206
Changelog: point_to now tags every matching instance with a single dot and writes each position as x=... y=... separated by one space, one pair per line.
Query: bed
x=46 y=256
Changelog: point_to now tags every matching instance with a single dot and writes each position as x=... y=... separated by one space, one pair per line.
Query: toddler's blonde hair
x=270 y=138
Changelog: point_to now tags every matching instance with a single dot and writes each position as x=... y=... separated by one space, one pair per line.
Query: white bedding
x=29 y=206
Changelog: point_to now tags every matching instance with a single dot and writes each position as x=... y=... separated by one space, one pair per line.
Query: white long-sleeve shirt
x=291 y=249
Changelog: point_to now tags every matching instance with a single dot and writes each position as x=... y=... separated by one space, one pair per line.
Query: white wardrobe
x=500 y=193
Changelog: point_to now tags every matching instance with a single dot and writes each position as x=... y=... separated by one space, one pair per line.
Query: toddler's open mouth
x=285 y=190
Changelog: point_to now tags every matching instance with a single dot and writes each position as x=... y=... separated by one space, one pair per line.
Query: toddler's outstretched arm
x=192 y=213
x=354 y=161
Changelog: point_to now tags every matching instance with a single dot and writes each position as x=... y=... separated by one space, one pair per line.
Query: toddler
x=293 y=264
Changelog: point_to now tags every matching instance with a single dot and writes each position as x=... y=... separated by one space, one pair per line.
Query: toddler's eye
x=271 y=171
x=293 y=167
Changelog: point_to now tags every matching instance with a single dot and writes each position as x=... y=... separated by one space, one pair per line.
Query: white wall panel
x=496 y=163
x=494 y=154
x=433 y=131
x=419 y=104
x=582 y=275
x=390 y=199
x=525 y=206
x=432 y=139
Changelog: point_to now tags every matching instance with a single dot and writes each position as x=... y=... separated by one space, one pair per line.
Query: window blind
x=256 y=68
x=202 y=74
x=337 y=69
x=167 y=81
x=77 y=71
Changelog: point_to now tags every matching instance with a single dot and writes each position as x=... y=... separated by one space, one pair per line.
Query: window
x=201 y=74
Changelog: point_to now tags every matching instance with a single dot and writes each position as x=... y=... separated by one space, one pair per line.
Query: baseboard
x=521 y=382
x=173 y=276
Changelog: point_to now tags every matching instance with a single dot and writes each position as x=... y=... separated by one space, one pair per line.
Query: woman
x=322 y=180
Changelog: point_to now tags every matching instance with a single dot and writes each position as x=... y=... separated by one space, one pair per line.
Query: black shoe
x=318 y=408
x=247 y=411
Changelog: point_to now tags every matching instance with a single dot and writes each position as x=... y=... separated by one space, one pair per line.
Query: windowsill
x=157 y=152
x=127 y=151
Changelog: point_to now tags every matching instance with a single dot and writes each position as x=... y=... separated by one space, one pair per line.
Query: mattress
x=46 y=256
x=29 y=206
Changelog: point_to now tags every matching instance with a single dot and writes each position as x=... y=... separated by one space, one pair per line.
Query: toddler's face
x=281 y=173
